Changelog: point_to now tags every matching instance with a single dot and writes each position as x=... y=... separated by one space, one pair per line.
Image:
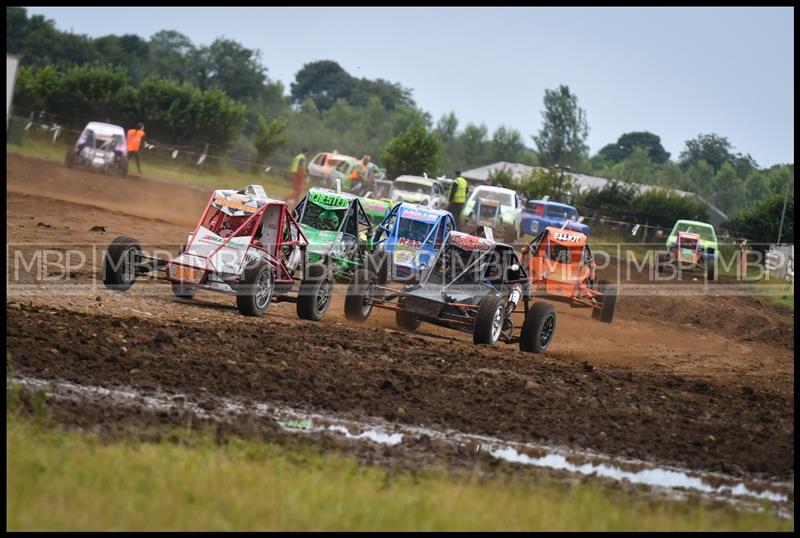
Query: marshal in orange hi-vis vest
x=135 y=139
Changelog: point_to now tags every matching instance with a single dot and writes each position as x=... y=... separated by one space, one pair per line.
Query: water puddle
x=588 y=463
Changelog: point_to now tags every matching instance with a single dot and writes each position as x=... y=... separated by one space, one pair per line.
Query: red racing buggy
x=245 y=244
x=561 y=268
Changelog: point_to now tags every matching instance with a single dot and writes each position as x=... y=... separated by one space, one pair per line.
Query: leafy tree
x=627 y=142
x=763 y=220
x=172 y=55
x=542 y=182
x=506 y=144
x=447 y=126
x=269 y=138
x=474 y=145
x=637 y=168
x=415 y=152
x=727 y=189
x=232 y=68
x=711 y=148
x=323 y=82
x=562 y=138
x=614 y=196
x=663 y=207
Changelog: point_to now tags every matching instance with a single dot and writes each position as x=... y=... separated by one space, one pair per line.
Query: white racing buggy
x=245 y=244
x=101 y=146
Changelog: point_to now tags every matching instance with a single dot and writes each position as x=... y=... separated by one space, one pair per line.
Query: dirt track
x=701 y=381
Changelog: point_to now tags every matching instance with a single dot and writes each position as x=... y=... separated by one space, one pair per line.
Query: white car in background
x=425 y=191
x=497 y=208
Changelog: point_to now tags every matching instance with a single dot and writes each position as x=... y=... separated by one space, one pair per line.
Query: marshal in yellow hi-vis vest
x=460 y=196
x=296 y=162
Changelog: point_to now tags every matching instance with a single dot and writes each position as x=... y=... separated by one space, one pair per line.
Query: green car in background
x=691 y=245
x=338 y=227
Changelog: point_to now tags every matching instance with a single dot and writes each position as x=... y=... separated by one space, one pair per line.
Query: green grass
x=72 y=481
x=226 y=177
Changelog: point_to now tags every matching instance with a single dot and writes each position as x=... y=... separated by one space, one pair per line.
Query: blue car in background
x=539 y=214
x=410 y=235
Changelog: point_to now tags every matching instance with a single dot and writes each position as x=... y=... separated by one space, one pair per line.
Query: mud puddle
x=670 y=480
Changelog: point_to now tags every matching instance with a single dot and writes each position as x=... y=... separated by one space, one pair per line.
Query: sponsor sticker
x=561 y=236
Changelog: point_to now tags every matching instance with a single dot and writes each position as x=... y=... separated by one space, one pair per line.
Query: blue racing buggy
x=409 y=237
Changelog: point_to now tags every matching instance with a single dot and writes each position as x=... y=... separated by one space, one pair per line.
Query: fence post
x=644 y=235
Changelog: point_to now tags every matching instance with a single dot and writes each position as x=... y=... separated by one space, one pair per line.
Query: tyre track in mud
x=399 y=377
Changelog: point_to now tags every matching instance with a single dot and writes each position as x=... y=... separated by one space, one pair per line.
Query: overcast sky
x=676 y=72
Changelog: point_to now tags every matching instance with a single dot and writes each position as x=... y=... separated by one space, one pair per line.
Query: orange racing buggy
x=561 y=268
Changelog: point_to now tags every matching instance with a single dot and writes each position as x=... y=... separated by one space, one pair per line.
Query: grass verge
x=72 y=481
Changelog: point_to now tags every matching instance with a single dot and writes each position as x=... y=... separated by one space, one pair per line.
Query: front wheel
x=255 y=289
x=358 y=303
x=122 y=166
x=489 y=320
x=119 y=263
x=314 y=298
x=538 y=328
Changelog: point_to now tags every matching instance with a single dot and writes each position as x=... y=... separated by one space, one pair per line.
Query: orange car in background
x=323 y=163
x=561 y=268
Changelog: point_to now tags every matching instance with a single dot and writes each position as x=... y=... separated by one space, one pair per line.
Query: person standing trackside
x=458 y=197
x=135 y=137
x=298 y=172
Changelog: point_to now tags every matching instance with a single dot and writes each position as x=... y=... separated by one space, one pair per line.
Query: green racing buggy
x=338 y=227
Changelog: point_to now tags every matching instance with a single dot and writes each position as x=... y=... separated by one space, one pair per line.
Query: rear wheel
x=255 y=289
x=711 y=268
x=358 y=303
x=122 y=166
x=314 y=298
x=608 y=299
x=69 y=158
x=489 y=320
x=406 y=320
x=538 y=328
x=119 y=263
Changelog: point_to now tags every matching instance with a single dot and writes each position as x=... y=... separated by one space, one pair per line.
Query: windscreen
x=562 y=213
x=320 y=218
x=413 y=230
x=704 y=231
x=411 y=186
x=453 y=261
x=503 y=197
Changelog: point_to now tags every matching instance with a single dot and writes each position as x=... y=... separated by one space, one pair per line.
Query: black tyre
x=358 y=303
x=538 y=329
x=489 y=320
x=119 y=263
x=255 y=289
x=69 y=158
x=609 y=301
x=711 y=268
x=406 y=320
x=122 y=169
x=314 y=298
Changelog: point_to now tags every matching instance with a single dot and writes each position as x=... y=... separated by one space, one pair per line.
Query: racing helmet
x=328 y=220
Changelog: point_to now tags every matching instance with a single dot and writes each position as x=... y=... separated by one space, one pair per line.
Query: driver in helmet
x=328 y=220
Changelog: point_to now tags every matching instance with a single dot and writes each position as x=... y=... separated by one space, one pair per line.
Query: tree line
x=221 y=95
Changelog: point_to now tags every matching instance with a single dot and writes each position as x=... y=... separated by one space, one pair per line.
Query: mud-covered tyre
x=358 y=303
x=255 y=290
x=314 y=298
x=711 y=269
x=406 y=320
x=489 y=320
x=69 y=157
x=119 y=263
x=122 y=167
x=608 y=301
x=538 y=329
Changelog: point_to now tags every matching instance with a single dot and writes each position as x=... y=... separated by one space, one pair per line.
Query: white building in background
x=519 y=171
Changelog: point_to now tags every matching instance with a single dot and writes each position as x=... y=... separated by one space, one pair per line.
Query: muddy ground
x=702 y=381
